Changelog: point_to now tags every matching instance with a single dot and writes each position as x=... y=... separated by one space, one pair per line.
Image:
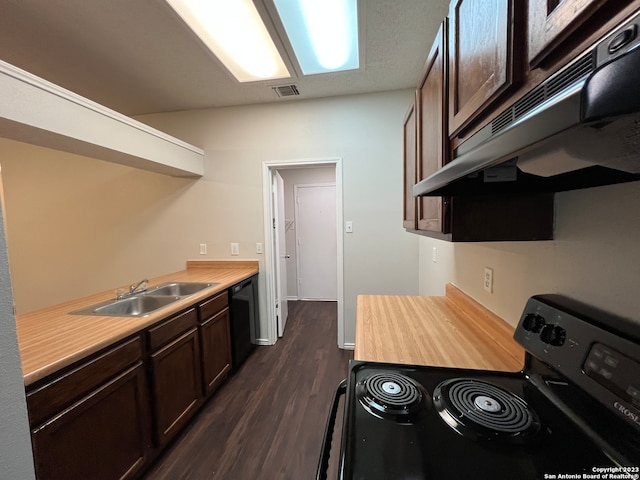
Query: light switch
x=348 y=227
x=258 y=248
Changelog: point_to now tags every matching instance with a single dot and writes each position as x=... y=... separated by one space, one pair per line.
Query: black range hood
x=579 y=128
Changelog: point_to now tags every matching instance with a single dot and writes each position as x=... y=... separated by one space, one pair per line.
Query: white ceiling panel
x=137 y=56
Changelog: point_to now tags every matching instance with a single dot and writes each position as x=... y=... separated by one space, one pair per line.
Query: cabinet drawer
x=172 y=328
x=210 y=307
x=59 y=393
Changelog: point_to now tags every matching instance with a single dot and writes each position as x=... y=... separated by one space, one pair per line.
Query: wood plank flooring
x=267 y=421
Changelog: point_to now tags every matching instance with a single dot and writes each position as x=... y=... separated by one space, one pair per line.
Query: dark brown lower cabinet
x=104 y=435
x=175 y=380
x=109 y=416
x=216 y=352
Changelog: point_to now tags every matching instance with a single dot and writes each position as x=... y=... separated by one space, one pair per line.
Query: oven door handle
x=323 y=464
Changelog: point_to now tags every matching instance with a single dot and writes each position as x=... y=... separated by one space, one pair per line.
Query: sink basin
x=145 y=302
x=136 y=306
x=180 y=289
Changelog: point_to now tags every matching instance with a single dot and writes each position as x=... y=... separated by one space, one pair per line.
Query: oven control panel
x=614 y=371
x=596 y=350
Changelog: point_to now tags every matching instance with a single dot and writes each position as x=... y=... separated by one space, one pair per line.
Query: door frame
x=281 y=297
x=268 y=167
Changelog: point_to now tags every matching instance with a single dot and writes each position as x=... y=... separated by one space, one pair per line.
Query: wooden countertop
x=51 y=338
x=449 y=331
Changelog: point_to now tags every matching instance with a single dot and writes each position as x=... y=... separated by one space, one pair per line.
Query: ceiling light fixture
x=324 y=34
x=235 y=33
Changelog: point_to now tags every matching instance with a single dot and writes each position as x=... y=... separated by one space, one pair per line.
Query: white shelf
x=33 y=110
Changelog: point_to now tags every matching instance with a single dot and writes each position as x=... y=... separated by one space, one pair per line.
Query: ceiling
x=138 y=57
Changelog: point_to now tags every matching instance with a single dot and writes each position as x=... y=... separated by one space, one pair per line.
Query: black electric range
x=572 y=412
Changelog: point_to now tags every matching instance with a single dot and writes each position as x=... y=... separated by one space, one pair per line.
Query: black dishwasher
x=244 y=318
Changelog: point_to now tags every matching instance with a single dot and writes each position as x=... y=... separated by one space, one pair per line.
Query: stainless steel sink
x=135 y=306
x=180 y=289
x=146 y=302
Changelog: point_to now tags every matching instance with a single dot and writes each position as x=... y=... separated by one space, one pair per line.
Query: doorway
x=273 y=258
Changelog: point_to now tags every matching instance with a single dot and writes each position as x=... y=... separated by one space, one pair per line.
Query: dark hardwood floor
x=267 y=420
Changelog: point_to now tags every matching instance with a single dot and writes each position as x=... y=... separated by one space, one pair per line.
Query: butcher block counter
x=449 y=331
x=51 y=338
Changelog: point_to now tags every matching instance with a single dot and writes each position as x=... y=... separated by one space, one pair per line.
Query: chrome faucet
x=139 y=287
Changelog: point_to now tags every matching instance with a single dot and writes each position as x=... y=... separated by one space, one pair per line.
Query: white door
x=316 y=241
x=280 y=249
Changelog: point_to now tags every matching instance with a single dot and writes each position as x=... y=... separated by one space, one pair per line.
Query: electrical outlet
x=259 y=248
x=434 y=255
x=203 y=249
x=488 y=279
x=235 y=249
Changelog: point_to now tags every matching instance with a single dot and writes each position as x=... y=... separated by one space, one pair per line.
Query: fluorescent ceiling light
x=323 y=33
x=235 y=33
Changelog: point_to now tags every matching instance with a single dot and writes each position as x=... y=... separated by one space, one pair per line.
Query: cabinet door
x=432 y=137
x=551 y=21
x=104 y=435
x=216 y=350
x=409 y=132
x=481 y=55
x=175 y=372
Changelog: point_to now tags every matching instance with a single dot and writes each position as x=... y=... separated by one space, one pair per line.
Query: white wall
x=292 y=177
x=365 y=131
x=15 y=443
x=594 y=258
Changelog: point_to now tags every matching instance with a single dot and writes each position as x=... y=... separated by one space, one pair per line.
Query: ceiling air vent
x=286 y=90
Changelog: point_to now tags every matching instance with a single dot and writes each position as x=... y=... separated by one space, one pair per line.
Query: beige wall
x=364 y=130
x=77 y=225
x=594 y=257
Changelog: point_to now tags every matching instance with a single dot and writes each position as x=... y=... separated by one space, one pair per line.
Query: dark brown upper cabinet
x=551 y=21
x=432 y=141
x=485 y=48
x=409 y=137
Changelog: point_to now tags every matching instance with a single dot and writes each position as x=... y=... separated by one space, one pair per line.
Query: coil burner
x=481 y=410
x=392 y=396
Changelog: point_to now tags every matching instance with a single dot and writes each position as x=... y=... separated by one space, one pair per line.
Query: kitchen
x=155 y=222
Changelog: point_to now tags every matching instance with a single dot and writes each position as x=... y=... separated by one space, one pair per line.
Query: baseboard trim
x=349 y=346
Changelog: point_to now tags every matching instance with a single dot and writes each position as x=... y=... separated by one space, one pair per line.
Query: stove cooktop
x=571 y=411
x=521 y=436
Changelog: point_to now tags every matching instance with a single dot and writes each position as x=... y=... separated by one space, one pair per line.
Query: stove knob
x=553 y=335
x=533 y=323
